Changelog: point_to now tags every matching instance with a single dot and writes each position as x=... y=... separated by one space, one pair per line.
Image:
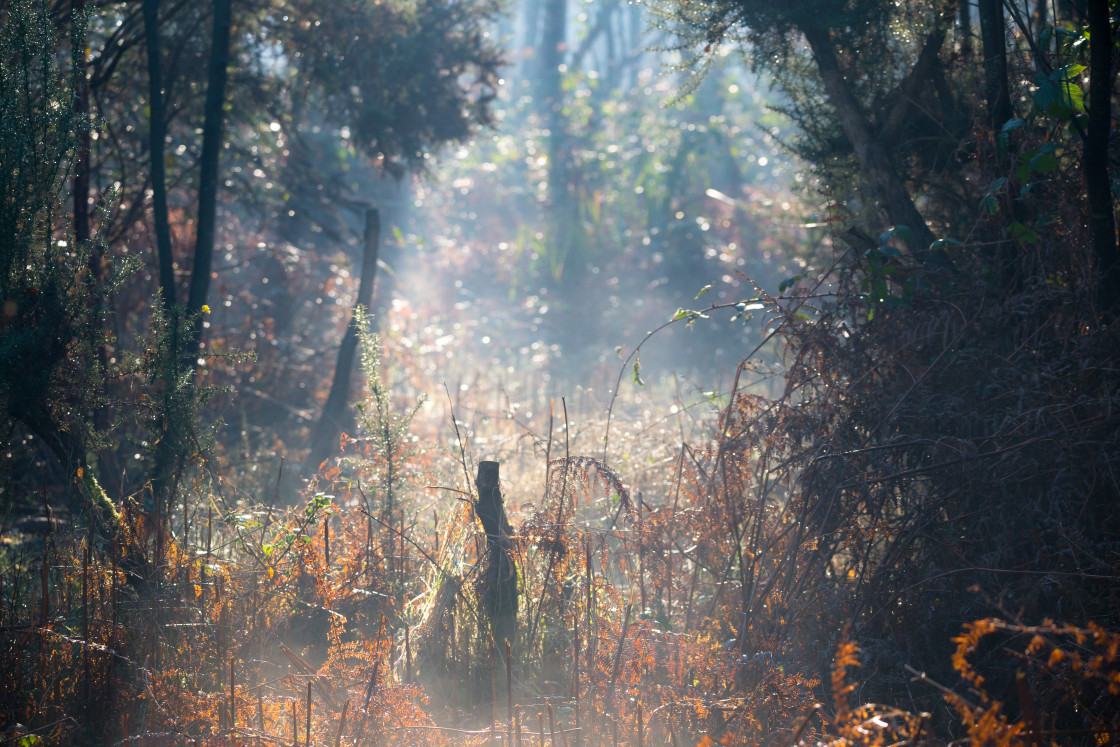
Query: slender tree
x=1097 y=181
x=892 y=193
x=82 y=160
x=156 y=135
x=840 y=37
x=993 y=37
x=324 y=441
x=208 y=181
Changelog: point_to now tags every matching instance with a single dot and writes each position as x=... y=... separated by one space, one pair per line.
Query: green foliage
x=426 y=71
x=383 y=423
x=49 y=322
x=173 y=401
x=36 y=136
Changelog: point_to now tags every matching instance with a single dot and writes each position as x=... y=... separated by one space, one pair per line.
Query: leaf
x=1044 y=163
x=879 y=290
x=704 y=290
x=989 y=205
x=1023 y=233
x=1045 y=95
x=1067 y=72
x=1072 y=97
x=789 y=283
x=902 y=232
x=638 y=373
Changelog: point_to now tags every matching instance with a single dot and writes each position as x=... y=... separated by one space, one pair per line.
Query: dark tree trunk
x=498 y=586
x=1097 y=183
x=208 y=177
x=964 y=24
x=324 y=441
x=83 y=233
x=890 y=189
x=156 y=134
x=81 y=162
x=992 y=34
x=84 y=495
x=909 y=92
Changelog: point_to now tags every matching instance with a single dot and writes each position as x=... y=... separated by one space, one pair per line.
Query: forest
x=570 y=372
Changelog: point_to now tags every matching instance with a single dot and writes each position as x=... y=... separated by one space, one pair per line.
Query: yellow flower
x=205 y=309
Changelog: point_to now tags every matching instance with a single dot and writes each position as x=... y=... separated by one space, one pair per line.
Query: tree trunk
x=964 y=25
x=551 y=106
x=332 y=421
x=156 y=135
x=498 y=587
x=893 y=196
x=1097 y=181
x=532 y=32
x=910 y=91
x=208 y=176
x=992 y=34
x=81 y=162
x=84 y=495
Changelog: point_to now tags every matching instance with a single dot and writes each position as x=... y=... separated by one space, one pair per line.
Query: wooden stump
x=497 y=589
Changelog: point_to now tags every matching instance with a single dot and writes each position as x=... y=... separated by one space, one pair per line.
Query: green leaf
x=1067 y=72
x=1046 y=94
x=638 y=373
x=704 y=290
x=789 y=283
x=1023 y=233
x=989 y=205
x=1071 y=97
x=902 y=232
x=1044 y=163
x=879 y=290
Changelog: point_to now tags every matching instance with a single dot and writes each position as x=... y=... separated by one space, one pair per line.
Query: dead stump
x=497 y=588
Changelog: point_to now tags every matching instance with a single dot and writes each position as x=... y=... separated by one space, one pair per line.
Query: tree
x=996 y=91
x=156 y=134
x=1096 y=154
x=855 y=64
x=426 y=74
x=50 y=322
x=208 y=180
x=332 y=421
x=406 y=78
x=919 y=432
